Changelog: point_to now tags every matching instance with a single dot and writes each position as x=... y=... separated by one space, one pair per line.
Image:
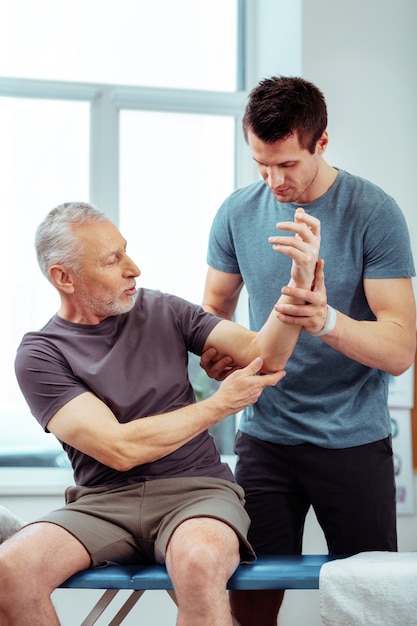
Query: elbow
x=272 y=365
x=397 y=371
x=274 y=362
x=117 y=463
x=124 y=464
x=401 y=367
x=120 y=462
x=404 y=362
x=121 y=465
x=120 y=459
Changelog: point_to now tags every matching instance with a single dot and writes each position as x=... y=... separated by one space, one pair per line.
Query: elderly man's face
x=105 y=284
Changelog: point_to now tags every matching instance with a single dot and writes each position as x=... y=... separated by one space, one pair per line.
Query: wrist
x=301 y=284
x=329 y=324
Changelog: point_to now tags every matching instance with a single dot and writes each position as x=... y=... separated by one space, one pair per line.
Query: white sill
x=34 y=481
x=47 y=481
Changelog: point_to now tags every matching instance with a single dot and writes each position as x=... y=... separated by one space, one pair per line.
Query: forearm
x=88 y=424
x=122 y=445
x=276 y=340
x=150 y=438
x=155 y=437
x=383 y=345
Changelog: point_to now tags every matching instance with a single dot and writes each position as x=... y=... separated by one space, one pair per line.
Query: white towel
x=370 y=589
x=9 y=523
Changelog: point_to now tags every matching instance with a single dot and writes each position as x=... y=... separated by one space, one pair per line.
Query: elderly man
x=108 y=377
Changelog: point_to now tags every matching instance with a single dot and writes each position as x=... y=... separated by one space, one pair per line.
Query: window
x=44 y=151
x=169 y=43
x=85 y=117
x=176 y=169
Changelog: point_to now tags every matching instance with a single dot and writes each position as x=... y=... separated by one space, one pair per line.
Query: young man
x=108 y=377
x=322 y=437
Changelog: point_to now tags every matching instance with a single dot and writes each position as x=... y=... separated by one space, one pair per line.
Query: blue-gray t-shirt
x=137 y=363
x=326 y=398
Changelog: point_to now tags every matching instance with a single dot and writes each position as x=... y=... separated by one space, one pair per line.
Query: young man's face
x=105 y=284
x=290 y=171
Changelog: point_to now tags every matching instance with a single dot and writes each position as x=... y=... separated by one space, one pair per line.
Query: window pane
x=176 y=169
x=44 y=160
x=181 y=43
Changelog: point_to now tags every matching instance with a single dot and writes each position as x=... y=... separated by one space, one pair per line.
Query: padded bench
x=268 y=572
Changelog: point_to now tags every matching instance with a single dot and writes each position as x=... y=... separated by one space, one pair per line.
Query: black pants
x=352 y=491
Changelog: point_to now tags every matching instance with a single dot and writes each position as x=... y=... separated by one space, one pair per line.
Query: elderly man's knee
x=209 y=550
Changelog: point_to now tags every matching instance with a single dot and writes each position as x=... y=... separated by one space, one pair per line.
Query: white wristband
x=330 y=323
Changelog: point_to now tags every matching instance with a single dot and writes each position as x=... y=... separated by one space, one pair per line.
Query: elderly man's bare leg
x=202 y=555
x=33 y=562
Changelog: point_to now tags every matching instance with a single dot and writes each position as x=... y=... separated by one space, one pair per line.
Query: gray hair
x=55 y=241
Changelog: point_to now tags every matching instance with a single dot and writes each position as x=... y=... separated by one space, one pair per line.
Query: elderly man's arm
x=87 y=424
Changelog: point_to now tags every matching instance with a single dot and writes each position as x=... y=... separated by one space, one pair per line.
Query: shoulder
x=365 y=203
x=160 y=307
x=158 y=302
x=41 y=340
x=173 y=316
x=251 y=195
x=369 y=191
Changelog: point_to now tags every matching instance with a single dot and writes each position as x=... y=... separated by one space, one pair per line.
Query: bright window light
x=181 y=43
x=175 y=171
x=44 y=154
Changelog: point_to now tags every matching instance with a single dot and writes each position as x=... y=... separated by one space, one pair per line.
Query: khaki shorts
x=133 y=524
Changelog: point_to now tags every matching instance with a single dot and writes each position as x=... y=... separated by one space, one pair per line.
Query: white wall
x=362 y=55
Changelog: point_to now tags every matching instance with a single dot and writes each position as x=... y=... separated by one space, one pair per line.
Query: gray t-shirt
x=137 y=364
x=326 y=398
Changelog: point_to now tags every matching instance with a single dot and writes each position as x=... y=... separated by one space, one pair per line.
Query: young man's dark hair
x=282 y=106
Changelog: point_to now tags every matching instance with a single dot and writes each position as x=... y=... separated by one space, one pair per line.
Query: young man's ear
x=322 y=142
